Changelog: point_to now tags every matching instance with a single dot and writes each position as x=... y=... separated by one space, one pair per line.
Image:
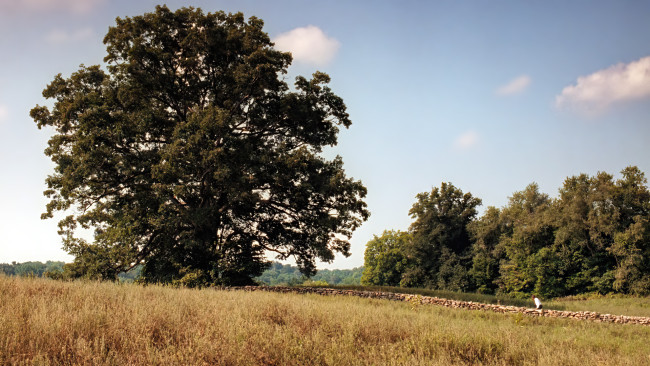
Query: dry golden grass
x=75 y=323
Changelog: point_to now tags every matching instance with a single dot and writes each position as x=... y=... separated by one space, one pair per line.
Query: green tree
x=487 y=254
x=339 y=276
x=281 y=274
x=632 y=253
x=631 y=244
x=593 y=237
x=440 y=252
x=38 y=269
x=527 y=220
x=191 y=156
x=583 y=217
x=385 y=259
x=30 y=269
x=7 y=269
x=601 y=235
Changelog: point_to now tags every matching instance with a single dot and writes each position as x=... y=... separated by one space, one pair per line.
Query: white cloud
x=515 y=86
x=308 y=44
x=618 y=83
x=467 y=140
x=74 y=6
x=59 y=36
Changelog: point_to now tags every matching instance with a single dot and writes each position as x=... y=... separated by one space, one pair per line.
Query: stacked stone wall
x=470 y=305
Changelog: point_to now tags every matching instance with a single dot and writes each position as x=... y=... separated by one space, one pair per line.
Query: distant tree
x=281 y=274
x=132 y=275
x=53 y=269
x=440 y=250
x=192 y=157
x=30 y=269
x=353 y=277
x=53 y=266
x=286 y=274
x=385 y=259
x=33 y=268
x=7 y=269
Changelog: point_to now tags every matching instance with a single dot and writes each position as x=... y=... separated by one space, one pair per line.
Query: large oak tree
x=191 y=155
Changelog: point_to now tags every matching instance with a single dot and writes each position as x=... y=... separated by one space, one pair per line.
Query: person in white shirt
x=538 y=302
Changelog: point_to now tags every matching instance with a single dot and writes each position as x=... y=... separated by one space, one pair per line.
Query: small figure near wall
x=538 y=302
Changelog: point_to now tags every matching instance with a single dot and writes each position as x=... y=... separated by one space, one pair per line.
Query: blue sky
x=488 y=95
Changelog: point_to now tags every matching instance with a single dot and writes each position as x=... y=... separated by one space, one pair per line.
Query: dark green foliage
x=286 y=274
x=191 y=156
x=594 y=237
x=526 y=219
x=439 y=253
x=486 y=252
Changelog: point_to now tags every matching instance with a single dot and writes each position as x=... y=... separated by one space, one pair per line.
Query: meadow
x=616 y=304
x=46 y=322
x=607 y=304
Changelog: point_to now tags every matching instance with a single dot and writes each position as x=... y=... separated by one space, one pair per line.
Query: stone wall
x=470 y=305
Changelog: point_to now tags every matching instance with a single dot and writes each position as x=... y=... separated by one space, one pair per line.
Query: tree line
x=594 y=237
x=277 y=274
x=38 y=269
x=54 y=270
x=286 y=274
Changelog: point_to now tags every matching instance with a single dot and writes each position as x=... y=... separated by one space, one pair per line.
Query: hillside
x=50 y=322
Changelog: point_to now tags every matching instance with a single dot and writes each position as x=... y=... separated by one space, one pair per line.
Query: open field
x=461 y=296
x=605 y=304
x=47 y=322
x=611 y=304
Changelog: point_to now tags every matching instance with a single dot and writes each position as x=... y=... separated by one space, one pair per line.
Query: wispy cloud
x=74 y=6
x=59 y=36
x=309 y=45
x=515 y=86
x=467 y=140
x=596 y=92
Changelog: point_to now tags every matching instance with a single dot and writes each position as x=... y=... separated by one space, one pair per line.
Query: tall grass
x=46 y=322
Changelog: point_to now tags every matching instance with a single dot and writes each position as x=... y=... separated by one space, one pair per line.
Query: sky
x=488 y=95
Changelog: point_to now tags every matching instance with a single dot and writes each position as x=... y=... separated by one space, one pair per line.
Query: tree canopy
x=594 y=237
x=385 y=259
x=190 y=154
x=439 y=251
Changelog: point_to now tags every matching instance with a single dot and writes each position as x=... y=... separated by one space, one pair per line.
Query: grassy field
x=46 y=322
x=606 y=304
